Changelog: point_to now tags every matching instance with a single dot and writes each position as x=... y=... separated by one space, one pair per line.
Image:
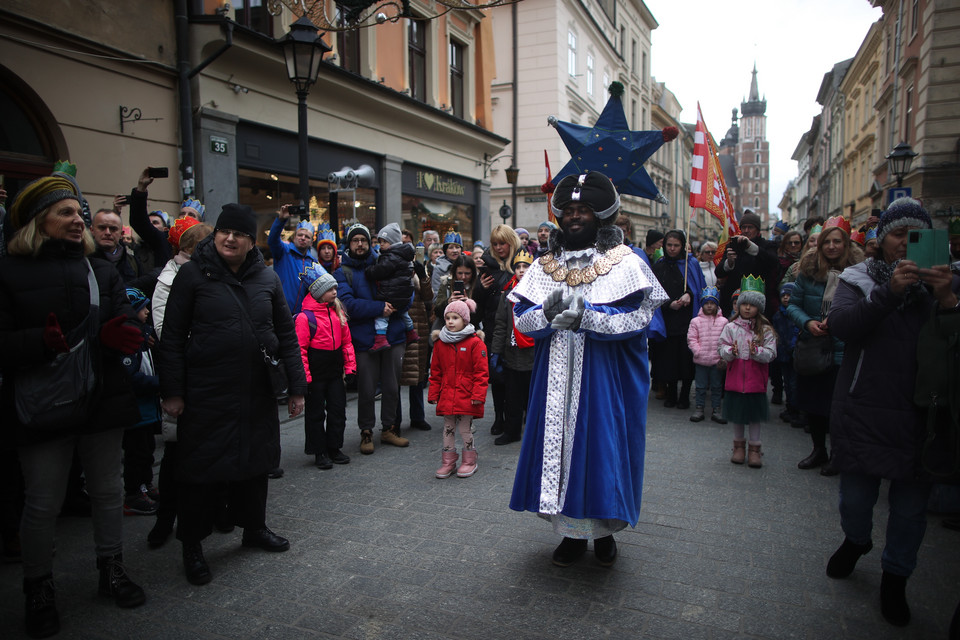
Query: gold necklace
x=574 y=277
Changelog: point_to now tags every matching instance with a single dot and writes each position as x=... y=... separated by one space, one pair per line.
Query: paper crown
x=871 y=234
x=837 y=221
x=453 y=238
x=749 y=283
x=859 y=237
x=306 y=224
x=325 y=234
x=954 y=227
x=782 y=226
x=162 y=214
x=710 y=294
x=816 y=229
x=523 y=256
x=65 y=166
x=193 y=203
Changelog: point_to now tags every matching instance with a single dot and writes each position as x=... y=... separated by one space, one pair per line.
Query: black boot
x=671 y=400
x=893 y=599
x=42 y=619
x=844 y=560
x=115 y=583
x=816 y=458
x=777 y=397
x=683 y=400
x=569 y=551
x=195 y=565
x=605 y=549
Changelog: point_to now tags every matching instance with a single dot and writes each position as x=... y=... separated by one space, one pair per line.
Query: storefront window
x=424 y=214
x=266 y=192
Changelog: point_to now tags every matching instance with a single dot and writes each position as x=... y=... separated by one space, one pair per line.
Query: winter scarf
x=881 y=272
x=451 y=337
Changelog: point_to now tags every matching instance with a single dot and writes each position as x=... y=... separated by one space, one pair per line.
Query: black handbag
x=813 y=355
x=276 y=371
x=60 y=393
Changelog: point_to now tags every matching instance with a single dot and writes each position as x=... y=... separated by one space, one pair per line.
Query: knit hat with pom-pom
x=462 y=308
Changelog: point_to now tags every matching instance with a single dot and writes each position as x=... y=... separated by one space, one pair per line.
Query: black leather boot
x=161 y=531
x=569 y=551
x=40 y=608
x=844 y=560
x=115 y=583
x=195 y=565
x=893 y=599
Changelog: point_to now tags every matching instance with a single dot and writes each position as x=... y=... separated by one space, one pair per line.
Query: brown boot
x=392 y=436
x=753 y=456
x=739 y=451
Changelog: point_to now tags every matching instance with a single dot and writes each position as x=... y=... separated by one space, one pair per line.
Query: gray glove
x=569 y=319
x=555 y=303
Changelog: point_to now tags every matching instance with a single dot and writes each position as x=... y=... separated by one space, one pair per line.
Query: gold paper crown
x=749 y=283
x=523 y=256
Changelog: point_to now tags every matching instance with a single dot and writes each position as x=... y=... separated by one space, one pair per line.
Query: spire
x=754 y=92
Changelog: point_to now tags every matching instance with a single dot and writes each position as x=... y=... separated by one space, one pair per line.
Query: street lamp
x=506 y=212
x=899 y=160
x=303 y=50
x=512 y=173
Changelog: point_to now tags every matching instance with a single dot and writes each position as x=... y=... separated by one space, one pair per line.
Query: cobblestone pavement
x=382 y=549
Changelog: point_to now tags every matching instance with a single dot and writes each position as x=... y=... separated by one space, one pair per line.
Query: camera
x=299 y=210
x=158 y=172
x=928 y=247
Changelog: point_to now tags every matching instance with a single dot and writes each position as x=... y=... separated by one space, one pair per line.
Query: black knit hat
x=592 y=189
x=653 y=236
x=238 y=217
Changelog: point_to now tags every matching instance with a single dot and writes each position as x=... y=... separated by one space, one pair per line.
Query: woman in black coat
x=877 y=430
x=45 y=304
x=214 y=378
x=495 y=271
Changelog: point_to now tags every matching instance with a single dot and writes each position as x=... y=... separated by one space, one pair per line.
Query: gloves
x=495 y=365
x=115 y=335
x=53 y=338
x=569 y=319
x=555 y=303
x=350 y=378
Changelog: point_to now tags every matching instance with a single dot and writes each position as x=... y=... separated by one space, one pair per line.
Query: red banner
x=708 y=189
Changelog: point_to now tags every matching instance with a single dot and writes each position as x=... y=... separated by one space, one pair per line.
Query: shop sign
x=218 y=145
x=429 y=181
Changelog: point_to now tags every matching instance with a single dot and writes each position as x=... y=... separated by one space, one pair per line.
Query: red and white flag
x=708 y=189
x=548 y=187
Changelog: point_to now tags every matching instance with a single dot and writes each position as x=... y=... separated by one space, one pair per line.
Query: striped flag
x=548 y=188
x=708 y=189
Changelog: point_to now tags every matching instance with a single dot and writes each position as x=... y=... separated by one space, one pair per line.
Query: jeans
x=378 y=367
x=906 y=523
x=380 y=323
x=712 y=378
x=45 y=469
x=415 y=395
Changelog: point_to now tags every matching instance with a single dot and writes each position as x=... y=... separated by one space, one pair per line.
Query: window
x=758 y=158
x=606 y=80
x=758 y=144
x=633 y=115
x=417 y=52
x=253 y=15
x=751 y=172
x=456 y=78
x=907 y=113
x=633 y=56
x=623 y=42
x=756 y=203
x=914 y=16
x=571 y=53
x=348 y=44
x=643 y=68
x=589 y=75
x=887 y=51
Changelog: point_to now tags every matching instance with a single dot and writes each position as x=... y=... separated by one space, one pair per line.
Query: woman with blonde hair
x=816 y=284
x=495 y=272
x=61 y=311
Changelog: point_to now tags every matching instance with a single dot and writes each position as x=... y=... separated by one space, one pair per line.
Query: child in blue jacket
x=787 y=332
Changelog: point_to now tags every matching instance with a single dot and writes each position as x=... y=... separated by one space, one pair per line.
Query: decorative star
x=592 y=148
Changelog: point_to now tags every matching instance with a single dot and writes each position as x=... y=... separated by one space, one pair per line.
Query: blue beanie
x=903 y=212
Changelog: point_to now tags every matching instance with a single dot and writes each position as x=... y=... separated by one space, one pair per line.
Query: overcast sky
x=705 y=50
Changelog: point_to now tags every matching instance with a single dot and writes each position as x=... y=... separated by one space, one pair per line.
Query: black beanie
x=592 y=189
x=238 y=217
x=653 y=236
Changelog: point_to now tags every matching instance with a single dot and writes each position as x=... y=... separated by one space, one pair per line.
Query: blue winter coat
x=787 y=333
x=288 y=263
x=359 y=296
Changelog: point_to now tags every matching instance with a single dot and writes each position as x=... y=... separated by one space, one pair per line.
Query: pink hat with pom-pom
x=462 y=308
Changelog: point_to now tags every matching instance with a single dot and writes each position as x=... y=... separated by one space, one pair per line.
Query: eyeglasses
x=794 y=242
x=707 y=252
x=236 y=234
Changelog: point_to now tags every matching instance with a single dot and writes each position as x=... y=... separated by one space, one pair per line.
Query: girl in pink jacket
x=703 y=338
x=328 y=358
x=747 y=344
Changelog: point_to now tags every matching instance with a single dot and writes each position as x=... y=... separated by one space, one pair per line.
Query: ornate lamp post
x=899 y=161
x=303 y=50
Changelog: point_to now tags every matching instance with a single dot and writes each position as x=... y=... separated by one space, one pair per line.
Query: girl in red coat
x=458 y=384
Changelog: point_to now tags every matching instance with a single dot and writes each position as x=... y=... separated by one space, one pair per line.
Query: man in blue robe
x=586 y=303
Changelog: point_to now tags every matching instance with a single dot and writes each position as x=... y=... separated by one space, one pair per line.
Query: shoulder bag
x=275 y=369
x=58 y=394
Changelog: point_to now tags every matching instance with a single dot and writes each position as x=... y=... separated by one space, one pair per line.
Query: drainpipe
x=896 y=83
x=184 y=76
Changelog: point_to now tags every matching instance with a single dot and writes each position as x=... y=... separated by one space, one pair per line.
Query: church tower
x=753 y=155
